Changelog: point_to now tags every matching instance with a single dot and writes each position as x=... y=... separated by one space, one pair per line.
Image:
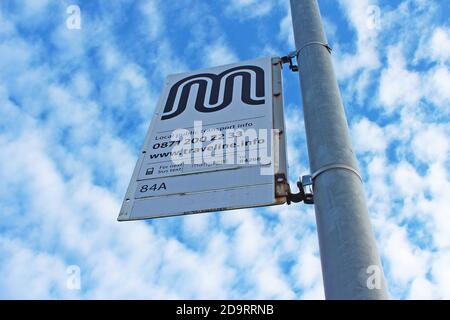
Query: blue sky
x=75 y=105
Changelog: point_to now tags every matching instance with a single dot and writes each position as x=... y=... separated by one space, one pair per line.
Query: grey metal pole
x=351 y=265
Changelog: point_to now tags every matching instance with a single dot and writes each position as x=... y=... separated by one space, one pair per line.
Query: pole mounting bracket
x=305 y=194
x=288 y=59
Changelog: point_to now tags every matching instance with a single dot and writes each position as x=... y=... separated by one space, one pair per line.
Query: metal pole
x=351 y=266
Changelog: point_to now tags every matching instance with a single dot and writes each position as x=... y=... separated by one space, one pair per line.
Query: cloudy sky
x=75 y=105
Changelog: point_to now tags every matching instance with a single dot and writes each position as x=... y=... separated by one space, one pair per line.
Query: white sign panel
x=216 y=142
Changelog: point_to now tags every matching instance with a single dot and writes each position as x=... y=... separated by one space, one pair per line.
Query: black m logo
x=223 y=81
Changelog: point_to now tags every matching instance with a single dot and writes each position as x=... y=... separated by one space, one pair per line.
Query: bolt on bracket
x=305 y=194
x=288 y=59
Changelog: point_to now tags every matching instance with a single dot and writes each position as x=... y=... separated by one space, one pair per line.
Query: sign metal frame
x=209 y=196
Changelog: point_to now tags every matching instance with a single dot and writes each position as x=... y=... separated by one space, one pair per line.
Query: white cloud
x=167 y=61
x=286 y=33
x=82 y=217
x=16 y=55
x=436 y=87
x=407 y=180
x=270 y=282
x=249 y=240
x=219 y=53
x=307 y=272
x=82 y=85
x=401 y=86
x=431 y=144
x=439 y=46
x=153 y=23
x=440 y=274
x=368 y=137
x=197 y=225
x=26 y=273
x=406 y=262
x=366 y=53
x=421 y=289
x=439 y=186
x=398 y=85
x=249 y=8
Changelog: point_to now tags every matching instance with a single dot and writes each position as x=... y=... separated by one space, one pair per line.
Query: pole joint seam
x=335 y=166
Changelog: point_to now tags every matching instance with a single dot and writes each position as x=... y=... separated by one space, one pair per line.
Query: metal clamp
x=295 y=54
x=335 y=166
x=312 y=43
x=306 y=184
